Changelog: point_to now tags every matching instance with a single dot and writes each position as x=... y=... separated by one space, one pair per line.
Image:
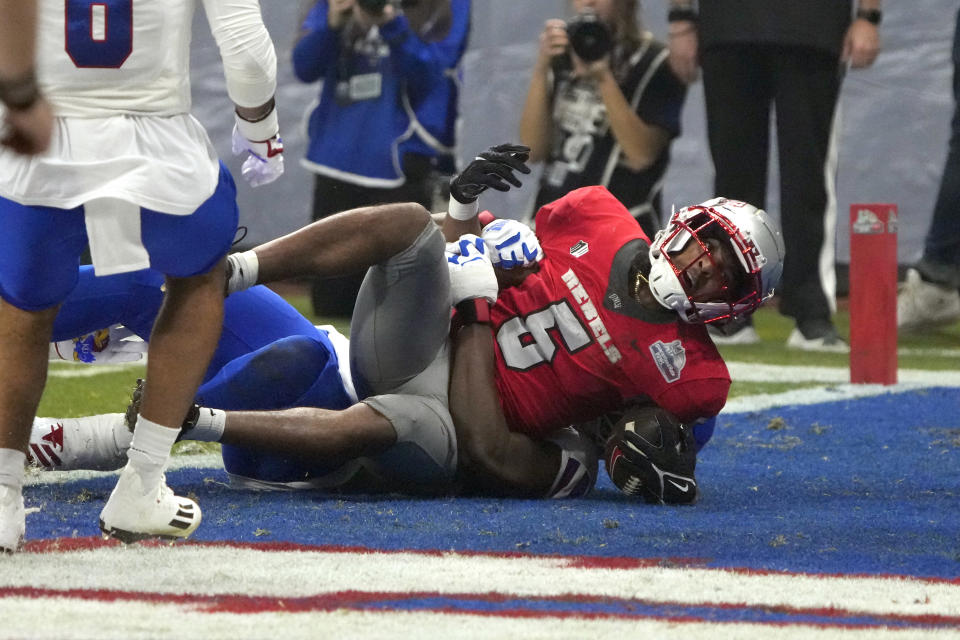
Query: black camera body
x=589 y=37
x=376 y=7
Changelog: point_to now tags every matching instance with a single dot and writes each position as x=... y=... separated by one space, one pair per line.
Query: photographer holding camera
x=383 y=128
x=602 y=107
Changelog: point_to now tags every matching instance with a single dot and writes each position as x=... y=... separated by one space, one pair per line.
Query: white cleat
x=12 y=519
x=96 y=443
x=830 y=343
x=132 y=514
x=922 y=304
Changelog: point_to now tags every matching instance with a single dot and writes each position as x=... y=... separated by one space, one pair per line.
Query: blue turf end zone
x=868 y=485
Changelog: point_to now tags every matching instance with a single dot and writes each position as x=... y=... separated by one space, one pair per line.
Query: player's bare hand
x=861 y=45
x=513 y=277
x=28 y=131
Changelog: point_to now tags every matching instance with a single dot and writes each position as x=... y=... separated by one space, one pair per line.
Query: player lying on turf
x=262 y=333
x=269 y=356
x=593 y=326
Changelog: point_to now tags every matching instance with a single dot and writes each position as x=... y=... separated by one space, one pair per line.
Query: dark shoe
x=133 y=410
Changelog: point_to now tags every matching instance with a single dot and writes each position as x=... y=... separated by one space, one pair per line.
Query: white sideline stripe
x=758 y=372
x=812 y=395
x=123 y=620
x=837 y=379
x=932 y=353
x=218 y=570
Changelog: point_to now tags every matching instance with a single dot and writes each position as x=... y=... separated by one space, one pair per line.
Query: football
x=650 y=454
x=625 y=475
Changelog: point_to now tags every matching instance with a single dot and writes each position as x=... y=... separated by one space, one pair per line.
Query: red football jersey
x=573 y=344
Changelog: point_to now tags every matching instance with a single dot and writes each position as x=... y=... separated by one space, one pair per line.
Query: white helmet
x=752 y=236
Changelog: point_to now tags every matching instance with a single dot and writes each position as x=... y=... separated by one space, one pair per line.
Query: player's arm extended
x=250 y=69
x=491 y=457
x=249 y=58
x=493 y=168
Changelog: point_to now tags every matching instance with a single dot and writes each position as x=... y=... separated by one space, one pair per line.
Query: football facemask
x=754 y=241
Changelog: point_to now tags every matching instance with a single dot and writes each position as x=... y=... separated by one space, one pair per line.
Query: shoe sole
x=130 y=537
x=179 y=522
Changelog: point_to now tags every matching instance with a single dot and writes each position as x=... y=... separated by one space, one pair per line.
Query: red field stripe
x=54 y=545
x=356 y=601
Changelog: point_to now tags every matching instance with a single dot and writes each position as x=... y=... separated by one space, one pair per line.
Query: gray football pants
x=400 y=361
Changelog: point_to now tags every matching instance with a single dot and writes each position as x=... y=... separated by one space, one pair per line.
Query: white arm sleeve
x=249 y=59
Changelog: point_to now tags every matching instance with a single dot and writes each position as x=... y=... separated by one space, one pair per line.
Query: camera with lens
x=589 y=37
x=376 y=7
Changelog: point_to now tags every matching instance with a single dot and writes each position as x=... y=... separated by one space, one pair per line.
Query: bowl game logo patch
x=670 y=358
x=579 y=249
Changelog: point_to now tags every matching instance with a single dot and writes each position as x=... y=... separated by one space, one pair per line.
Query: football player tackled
x=590 y=320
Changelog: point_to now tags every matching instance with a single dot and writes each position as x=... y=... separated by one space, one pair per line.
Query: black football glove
x=653 y=455
x=493 y=168
x=133 y=410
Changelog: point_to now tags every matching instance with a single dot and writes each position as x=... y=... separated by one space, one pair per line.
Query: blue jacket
x=390 y=94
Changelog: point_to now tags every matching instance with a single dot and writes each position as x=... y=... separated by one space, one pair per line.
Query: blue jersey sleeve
x=418 y=59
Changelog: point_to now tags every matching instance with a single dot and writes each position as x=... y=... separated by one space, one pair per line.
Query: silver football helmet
x=753 y=237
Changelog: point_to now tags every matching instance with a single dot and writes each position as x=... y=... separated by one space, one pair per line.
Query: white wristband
x=246 y=269
x=261 y=130
x=459 y=211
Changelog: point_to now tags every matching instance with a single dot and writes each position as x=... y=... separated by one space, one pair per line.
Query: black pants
x=741 y=84
x=941 y=250
x=335 y=296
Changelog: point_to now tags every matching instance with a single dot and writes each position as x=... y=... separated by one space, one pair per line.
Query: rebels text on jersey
x=573 y=344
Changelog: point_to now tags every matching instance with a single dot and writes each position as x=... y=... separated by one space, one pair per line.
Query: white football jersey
x=118 y=76
x=115 y=56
